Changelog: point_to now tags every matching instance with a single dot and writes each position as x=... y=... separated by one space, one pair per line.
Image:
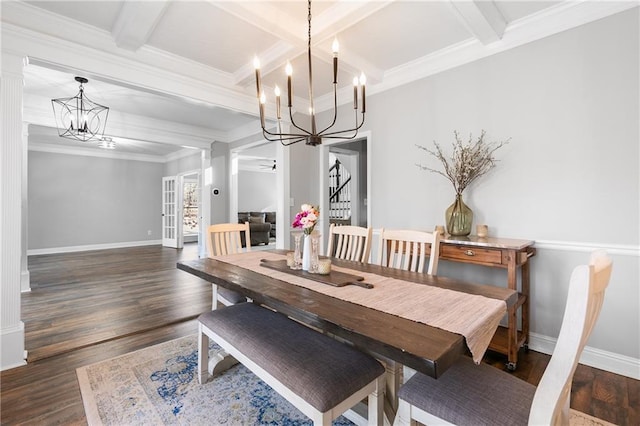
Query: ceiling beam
x=136 y=21
x=481 y=18
x=269 y=18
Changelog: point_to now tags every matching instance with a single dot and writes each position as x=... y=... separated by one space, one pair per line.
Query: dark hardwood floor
x=91 y=306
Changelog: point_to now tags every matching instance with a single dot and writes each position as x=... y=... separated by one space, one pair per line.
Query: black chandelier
x=311 y=137
x=79 y=117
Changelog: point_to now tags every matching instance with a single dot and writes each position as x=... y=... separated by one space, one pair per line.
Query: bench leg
x=403 y=416
x=220 y=362
x=203 y=355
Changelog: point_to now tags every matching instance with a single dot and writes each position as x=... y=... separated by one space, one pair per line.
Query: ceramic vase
x=306 y=252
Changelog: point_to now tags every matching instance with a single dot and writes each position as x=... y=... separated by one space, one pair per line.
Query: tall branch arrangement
x=468 y=162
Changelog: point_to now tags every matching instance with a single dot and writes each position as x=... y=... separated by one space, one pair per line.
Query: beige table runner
x=473 y=316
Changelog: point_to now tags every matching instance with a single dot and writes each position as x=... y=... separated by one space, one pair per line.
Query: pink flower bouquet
x=306 y=218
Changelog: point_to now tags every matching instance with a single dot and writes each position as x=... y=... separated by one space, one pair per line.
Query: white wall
x=569 y=179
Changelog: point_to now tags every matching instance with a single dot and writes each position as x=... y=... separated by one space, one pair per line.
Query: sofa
x=260 y=227
x=270 y=217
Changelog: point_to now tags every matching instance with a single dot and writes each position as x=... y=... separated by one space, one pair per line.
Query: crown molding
x=131 y=126
x=111 y=154
x=169 y=74
x=148 y=68
x=94 y=152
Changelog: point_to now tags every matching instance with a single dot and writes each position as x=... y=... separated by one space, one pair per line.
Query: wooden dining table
x=421 y=347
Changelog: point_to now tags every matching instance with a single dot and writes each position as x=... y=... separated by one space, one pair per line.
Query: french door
x=172 y=211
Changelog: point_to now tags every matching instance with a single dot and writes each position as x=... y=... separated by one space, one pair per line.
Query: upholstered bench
x=320 y=376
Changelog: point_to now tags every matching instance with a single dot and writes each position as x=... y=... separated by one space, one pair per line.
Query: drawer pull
x=469 y=253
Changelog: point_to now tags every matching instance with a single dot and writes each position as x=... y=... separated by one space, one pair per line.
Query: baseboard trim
x=25 y=282
x=597 y=358
x=71 y=249
x=12 y=347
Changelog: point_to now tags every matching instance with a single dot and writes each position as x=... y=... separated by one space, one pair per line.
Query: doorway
x=181 y=209
x=345 y=183
x=261 y=161
x=190 y=208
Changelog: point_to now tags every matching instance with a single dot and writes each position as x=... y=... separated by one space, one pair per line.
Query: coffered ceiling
x=214 y=42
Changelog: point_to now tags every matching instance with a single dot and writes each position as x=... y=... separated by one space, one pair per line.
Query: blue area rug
x=159 y=385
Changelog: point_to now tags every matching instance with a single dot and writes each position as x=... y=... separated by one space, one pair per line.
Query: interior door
x=171 y=211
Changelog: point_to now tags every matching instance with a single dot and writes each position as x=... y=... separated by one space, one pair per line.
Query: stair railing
x=339 y=192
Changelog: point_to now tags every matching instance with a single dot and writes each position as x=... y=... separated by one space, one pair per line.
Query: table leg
x=524 y=272
x=394 y=376
x=512 y=319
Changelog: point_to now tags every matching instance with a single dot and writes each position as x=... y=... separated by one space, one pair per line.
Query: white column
x=11 y=148
x=206 y=180
x=283 y=207
x=25 y=281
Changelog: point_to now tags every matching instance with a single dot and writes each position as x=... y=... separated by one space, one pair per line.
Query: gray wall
x=304 y=165
x=184 y=164
x=256 y=191
x=220 y=167
x=78 y=201
x=569 y=179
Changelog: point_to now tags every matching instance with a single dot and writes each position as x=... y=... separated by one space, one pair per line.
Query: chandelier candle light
x=312 y=137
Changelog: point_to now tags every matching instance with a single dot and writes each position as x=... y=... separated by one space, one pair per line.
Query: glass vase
x=458 y=218
x=313 y=262
x=297 y=257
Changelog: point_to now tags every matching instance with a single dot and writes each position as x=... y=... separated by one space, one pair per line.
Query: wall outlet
x=149 y=232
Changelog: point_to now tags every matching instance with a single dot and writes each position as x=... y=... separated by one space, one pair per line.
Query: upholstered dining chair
x=223 y=239
x=349 y=242
x=407 y=249
x=469 y=394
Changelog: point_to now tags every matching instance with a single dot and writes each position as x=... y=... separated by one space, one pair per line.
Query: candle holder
x=324 y=266
x=291 y=259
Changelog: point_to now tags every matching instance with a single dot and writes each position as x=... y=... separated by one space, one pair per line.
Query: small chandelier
x=79 y=117
x=312 y=137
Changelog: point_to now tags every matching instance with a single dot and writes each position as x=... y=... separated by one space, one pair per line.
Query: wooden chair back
x=224 y=238
x=349 y=242
x=584 y=301
x=407 y=249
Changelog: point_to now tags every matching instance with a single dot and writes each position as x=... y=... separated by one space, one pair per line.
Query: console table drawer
x=470 y=254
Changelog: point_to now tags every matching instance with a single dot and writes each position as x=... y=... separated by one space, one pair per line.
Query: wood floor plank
x=91 y=306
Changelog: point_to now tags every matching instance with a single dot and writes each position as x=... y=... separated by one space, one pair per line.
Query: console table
x=509 y=254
